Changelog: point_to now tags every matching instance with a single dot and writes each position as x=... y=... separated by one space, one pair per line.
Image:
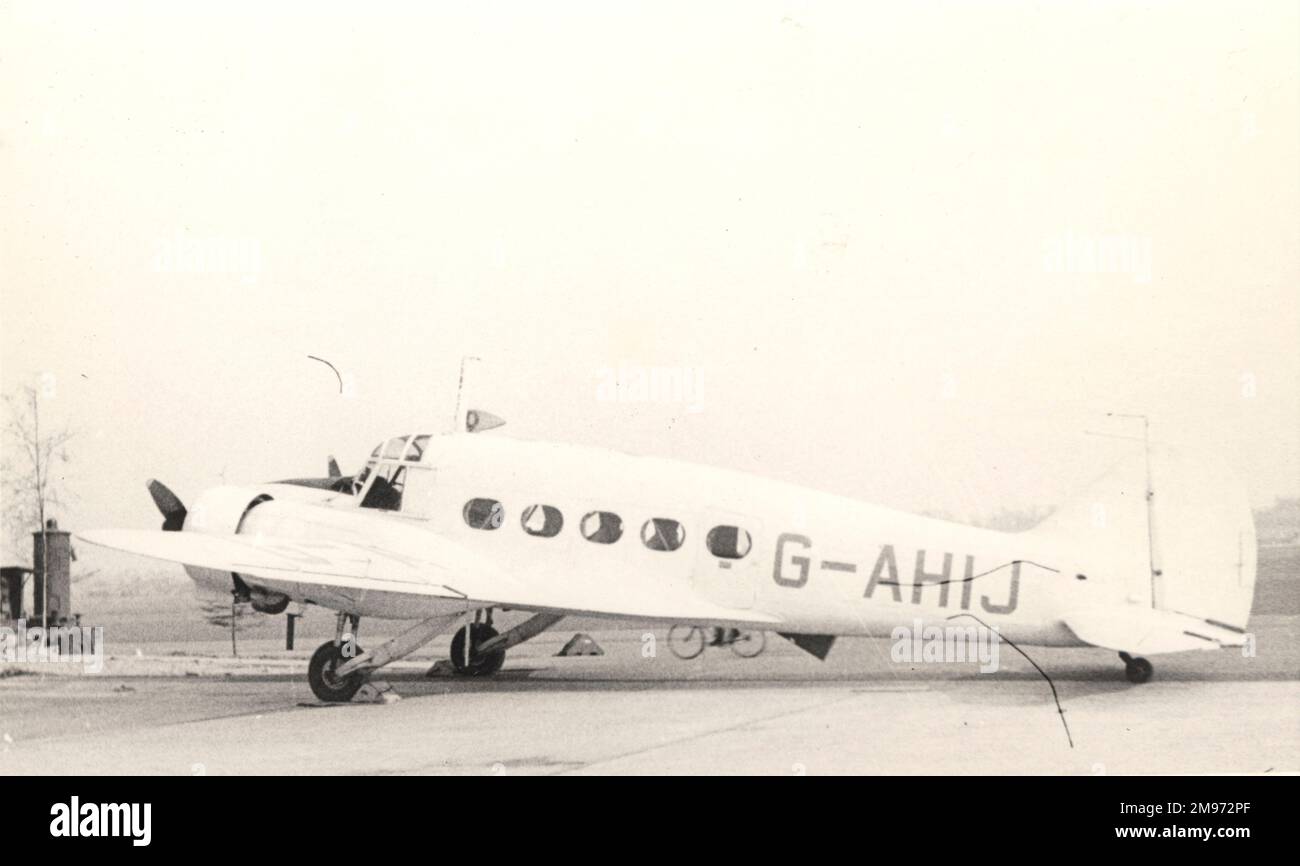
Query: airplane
x=445 y=529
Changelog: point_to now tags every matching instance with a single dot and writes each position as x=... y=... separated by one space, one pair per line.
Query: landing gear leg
x=324 y=674
x=1138 y=670
x=339 y=667
x=346 y=625
x=491 y=647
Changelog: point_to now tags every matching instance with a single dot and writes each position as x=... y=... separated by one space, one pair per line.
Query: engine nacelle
x=222 y=511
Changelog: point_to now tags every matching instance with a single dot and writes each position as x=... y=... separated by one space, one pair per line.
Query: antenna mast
x=458 y=423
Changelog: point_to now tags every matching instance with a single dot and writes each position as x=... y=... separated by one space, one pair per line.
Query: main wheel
x=325 y=684
x=1138 y=670
x=480 y=664
x=749 y=644
x=686 y=641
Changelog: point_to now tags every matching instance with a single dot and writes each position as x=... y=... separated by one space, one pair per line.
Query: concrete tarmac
x=630 y=711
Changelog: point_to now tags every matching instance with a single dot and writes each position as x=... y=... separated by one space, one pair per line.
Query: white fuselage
x=820 y=563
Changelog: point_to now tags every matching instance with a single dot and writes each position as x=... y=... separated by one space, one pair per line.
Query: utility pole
x=40 y=514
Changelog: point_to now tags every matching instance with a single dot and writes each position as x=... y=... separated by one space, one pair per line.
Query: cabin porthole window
x=729 y=542
x=543 y=521
x=484 y=514
x=602 y=527
x=663 y=533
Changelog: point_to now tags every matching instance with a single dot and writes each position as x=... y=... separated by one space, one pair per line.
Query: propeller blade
x=334 y=468
x=169 y=505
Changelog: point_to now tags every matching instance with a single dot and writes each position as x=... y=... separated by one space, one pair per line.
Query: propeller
x=334 y=468
x=171 y=507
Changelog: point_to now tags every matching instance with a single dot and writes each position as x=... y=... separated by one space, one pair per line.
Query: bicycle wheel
x=686 y=641
x=749 y=644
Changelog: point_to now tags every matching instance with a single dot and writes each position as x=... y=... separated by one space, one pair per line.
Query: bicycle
x=688 y=641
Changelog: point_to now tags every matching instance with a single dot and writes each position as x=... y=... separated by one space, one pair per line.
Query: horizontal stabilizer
x=1140 y=630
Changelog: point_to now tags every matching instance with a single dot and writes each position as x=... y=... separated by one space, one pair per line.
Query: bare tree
x=30 y=465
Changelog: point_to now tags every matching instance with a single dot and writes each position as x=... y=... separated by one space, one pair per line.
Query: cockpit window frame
x=399 y=451
x=364 y=476
x=394 y=448
x=417 y=445
x=394 y=474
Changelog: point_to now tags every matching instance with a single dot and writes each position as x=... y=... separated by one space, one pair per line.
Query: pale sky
x=864 y=230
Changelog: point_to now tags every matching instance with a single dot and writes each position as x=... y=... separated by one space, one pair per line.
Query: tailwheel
x=479 y=664
x=325 y=684
x=1138 y=670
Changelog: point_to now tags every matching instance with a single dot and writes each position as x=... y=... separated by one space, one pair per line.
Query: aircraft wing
x=1150 y=631
x=443 y=570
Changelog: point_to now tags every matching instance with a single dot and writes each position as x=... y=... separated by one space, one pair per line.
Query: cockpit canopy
x=384 y=476
x=384 y=479
x=388 y=463
x=408 y=448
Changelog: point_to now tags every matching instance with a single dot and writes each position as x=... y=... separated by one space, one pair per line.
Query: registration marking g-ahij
x=75 y=818
x=443 y=529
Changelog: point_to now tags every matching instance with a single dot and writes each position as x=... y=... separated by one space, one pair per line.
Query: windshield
x=400 y=449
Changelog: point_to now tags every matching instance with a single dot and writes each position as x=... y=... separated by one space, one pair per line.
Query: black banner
x=301 y=815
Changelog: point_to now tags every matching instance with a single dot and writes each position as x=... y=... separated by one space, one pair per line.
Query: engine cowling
x=223 y=511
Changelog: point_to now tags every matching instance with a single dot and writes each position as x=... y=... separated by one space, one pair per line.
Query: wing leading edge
x=445 y=570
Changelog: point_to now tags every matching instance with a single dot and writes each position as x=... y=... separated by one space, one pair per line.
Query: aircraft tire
x=480 y=664
x=1138 y=671
x=320 y=675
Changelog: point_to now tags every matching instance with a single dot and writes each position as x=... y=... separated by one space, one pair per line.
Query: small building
x=12 y=580
x=52 y=557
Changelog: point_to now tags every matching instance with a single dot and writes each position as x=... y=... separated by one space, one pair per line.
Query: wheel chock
x=376 y=692
x=581 y=645
x=441 y=668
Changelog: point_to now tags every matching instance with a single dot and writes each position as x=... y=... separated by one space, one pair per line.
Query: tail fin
x=1190 y=551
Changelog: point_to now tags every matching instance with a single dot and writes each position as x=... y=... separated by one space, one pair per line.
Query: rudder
x=1198 y=537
